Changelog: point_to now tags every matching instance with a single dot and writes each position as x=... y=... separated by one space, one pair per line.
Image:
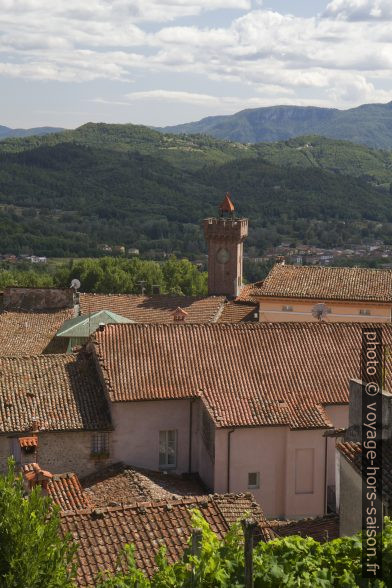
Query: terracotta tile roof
x=120 y=484
x=321 y=529
x=31 y=333
x=250 y=293
x=154 y=309
x=325 y=283
x=237 y=312
x=28 y=441
x=102 y=534
x=62 y=392
x=249 y=374
x=66 y=491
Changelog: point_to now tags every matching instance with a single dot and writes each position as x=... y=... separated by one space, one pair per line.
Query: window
x=286 y=308
x=254 y=480
x=364 y=311
x=304 y=471
x=167 y=449
x=100 y=444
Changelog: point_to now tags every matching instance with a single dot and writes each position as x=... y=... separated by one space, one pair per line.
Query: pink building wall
x=291 y=464
x=135 y=439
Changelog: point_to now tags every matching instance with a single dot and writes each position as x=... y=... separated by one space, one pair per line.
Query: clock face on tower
x=223 y=255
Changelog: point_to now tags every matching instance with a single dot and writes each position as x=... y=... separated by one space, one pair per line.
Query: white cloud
x=333 y=59
x=357 y=10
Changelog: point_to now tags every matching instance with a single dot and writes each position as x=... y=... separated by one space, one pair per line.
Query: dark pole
x=248 y=526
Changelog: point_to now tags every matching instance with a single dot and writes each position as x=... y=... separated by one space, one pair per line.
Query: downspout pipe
x=228 y=458
x=325 y=475
x=190 y=435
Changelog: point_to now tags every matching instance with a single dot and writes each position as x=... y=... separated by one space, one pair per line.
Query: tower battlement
x=226 y=228
x=225 y=236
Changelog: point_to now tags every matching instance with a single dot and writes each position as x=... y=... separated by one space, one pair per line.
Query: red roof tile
x=321 y=529
x=62 y=392
x=31 y=333
x=249 y=374
x=126 y=485
x=102 y=534
x=28 y=441
x=238 y=312
x=154 y=309
x=66 y=491
x=325 y=283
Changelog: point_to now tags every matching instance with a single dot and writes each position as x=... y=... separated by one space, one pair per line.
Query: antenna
x=75 y=284
x=142 y=285
x=319 y=311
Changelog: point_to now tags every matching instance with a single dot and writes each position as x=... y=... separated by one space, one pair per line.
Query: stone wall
x=37 y=299
x=58 y=453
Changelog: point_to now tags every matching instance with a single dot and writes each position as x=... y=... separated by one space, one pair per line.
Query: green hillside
x=184 y=152
x=65 y=194
x=369 y=124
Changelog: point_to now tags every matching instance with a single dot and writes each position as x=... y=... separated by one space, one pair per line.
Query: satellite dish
x=319 y=311
x=75 y=284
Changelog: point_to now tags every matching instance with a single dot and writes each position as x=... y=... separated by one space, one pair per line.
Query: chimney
x=179 y=314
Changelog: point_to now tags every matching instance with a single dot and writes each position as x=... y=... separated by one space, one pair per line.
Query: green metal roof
x=84 y=325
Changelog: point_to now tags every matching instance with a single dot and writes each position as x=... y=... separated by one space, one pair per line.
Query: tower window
x=287 y=308
x=364 y=312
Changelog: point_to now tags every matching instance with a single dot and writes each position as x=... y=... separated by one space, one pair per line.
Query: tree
x=32 y=552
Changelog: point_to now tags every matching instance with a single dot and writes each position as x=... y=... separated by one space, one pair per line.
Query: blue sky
x=161 y=62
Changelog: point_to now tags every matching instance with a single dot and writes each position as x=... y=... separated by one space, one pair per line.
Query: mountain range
x=369 y=124
x=67 y=193
x=7 y=133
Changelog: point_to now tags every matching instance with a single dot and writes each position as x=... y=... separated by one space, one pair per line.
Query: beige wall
x=136 y=432
x=272 y=451
x=271 y=311
x=58 y=453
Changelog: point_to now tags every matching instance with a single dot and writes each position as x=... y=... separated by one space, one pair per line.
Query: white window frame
x=166 y=442
x=257 y=484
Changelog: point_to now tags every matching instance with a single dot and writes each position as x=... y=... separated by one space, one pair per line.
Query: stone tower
x=225 y=236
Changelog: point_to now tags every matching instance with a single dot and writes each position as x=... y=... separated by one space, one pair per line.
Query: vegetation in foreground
x=291 y=562
x=34 y=554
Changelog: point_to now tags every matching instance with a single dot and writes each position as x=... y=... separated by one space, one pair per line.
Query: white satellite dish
x=319 y=311
x=75 y=284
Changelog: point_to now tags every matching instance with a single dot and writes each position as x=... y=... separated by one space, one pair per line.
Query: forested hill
x=369 y=124
x=7 y=132
x=65 y=194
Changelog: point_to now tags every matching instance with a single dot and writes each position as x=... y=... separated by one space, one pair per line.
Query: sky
x=163 y=62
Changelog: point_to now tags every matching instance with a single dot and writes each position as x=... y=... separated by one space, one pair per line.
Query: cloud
x=359 y=10
x=337 y=59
